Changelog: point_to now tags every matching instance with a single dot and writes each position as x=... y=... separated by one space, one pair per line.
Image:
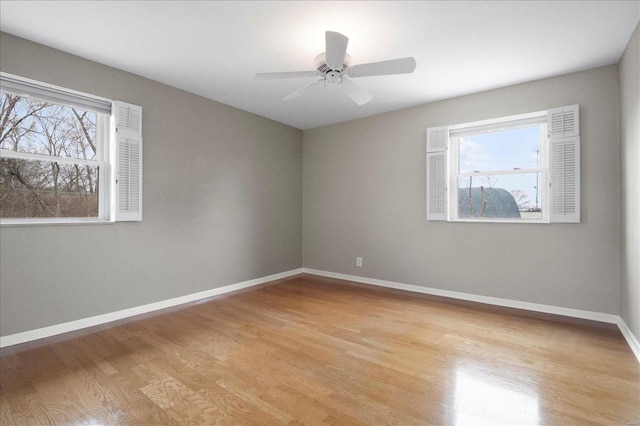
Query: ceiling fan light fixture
x=320 y=62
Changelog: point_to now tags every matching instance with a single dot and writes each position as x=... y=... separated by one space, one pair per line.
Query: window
x=496 y=173
x=67 y=157
x=514 y=169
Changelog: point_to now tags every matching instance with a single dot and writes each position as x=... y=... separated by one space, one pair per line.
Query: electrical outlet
x=359 y=262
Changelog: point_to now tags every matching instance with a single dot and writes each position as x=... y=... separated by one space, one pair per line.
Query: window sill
x=74 y=221
x=520 y=221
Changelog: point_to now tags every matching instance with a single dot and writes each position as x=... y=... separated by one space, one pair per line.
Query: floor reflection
x=486 y=399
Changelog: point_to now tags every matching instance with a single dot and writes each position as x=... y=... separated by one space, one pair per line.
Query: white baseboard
x=535 y=307
x=549 y=309
x=631 y=339
x=40 y=333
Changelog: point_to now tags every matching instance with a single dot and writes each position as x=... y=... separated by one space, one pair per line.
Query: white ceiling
x=215 y=48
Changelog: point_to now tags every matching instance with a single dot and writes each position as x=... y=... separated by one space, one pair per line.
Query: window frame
x=490 y=126
x=106 y=142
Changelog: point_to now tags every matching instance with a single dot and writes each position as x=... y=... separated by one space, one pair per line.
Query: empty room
x=318 y=212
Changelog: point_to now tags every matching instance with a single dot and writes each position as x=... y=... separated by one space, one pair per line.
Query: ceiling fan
x=334 y=67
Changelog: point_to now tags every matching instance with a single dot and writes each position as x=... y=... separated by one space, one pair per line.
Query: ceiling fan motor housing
x=331 y=76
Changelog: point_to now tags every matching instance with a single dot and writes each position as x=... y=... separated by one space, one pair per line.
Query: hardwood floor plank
x=6 y=418
x=309 y=350
x=25 y=407
x=300 y=407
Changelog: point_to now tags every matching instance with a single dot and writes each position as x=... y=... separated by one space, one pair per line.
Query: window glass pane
x=514 y=196
x=501 y=150
x=32 y=126
x=32 y=188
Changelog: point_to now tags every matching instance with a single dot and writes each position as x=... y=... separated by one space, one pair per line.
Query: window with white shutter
x=523 y=168
x=67 y=156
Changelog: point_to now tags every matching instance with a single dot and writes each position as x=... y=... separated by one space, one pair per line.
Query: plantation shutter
x=563 y=122
x=128 y=169
x=564 y=146
x=437 y=142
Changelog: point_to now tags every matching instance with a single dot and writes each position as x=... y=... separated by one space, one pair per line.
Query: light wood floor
x=315 y=351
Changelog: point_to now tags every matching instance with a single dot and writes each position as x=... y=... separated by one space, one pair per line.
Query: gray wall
x=630 y=160
x=364 y=195
x=222 y=204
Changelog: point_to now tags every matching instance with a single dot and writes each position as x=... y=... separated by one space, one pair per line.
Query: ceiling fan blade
x=279 y=75
x=336 y=49
x=394 y=66
x=355 y=92
x=302 y=89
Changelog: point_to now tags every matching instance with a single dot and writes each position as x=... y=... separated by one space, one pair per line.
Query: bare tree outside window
x=47 y=166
